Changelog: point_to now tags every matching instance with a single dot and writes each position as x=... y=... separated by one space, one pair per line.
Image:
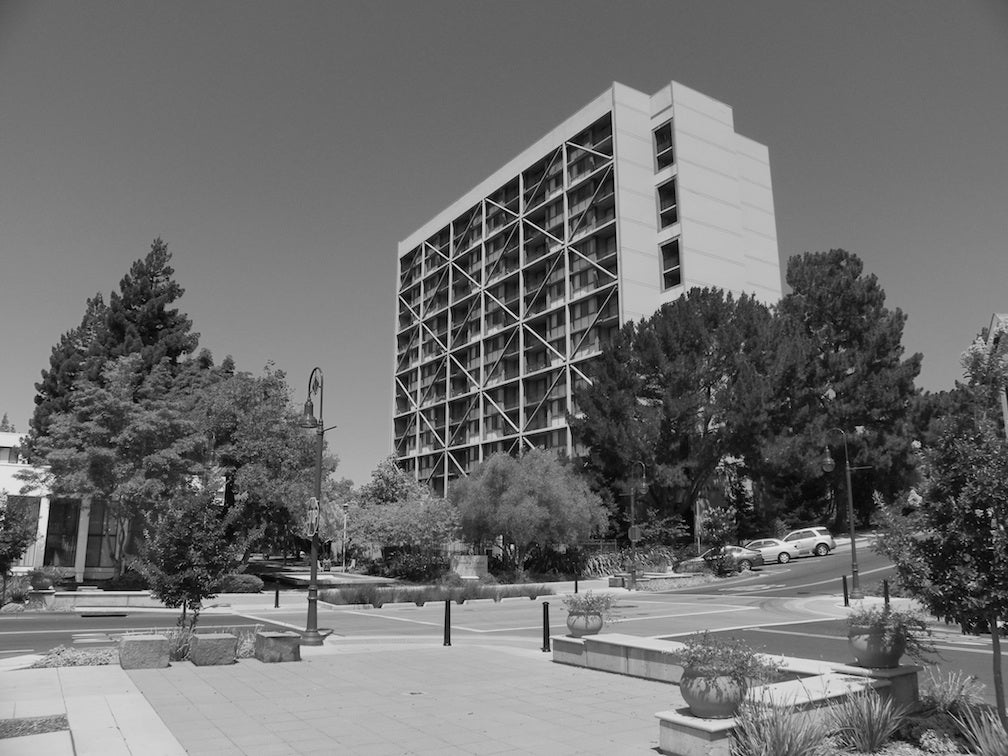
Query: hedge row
x=377 y=595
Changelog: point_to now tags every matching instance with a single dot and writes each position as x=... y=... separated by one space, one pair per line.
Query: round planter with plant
x=587 y=612
x=717 y=673
x=879 y=635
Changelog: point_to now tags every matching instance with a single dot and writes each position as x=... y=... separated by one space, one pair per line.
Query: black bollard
x=846 y=596
x=276 y=599
x=546 y=637
x=885 y=593
x=575 y=584
x=447 y=622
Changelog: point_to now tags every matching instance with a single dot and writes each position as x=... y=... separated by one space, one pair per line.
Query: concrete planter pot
x=873 y=650
x=580 y=625
x=41 y=598
x=711 y=696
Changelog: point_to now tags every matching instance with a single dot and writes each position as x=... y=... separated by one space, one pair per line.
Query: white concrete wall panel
x=636 y=206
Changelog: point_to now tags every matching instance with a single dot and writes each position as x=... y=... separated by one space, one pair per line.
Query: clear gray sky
x=283 y=148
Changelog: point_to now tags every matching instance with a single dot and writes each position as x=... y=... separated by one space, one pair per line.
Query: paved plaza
x=469 y=698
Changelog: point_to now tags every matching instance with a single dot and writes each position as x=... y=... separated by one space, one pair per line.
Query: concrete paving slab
x=47 y=744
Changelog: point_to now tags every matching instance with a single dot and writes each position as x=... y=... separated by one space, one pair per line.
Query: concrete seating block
x=567 y=650
x=143 y=652
x=682 y=734
x=213 y=649
x=277 y=647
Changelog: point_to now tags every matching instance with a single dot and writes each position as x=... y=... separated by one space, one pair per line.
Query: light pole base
x=312 y=638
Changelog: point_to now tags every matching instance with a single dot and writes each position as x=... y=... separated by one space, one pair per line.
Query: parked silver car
x=815 y=540
x=774 y=549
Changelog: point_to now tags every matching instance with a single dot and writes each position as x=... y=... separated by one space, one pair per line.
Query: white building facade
x=71 y=531
x=505 y=296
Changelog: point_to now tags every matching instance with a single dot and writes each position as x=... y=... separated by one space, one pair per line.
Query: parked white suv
x=814 y=540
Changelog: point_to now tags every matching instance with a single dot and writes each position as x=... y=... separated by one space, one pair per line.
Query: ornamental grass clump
x=865 y=721
x=982 y=730
x=763 y=729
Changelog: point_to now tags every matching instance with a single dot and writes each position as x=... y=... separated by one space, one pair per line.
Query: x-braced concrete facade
x=506 y=295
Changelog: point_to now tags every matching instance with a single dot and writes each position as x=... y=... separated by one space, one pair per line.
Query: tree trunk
x=999 y=696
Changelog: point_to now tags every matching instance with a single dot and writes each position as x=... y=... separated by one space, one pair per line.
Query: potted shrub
x=879 y=635
x=717 y=673
x=42 y=593
x=587 y=612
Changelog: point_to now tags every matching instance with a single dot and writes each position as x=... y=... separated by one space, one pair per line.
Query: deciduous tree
x=393 y=509
x=533 y=500
x=187 y=550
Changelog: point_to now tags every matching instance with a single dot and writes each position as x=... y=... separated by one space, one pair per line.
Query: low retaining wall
x=83 y=599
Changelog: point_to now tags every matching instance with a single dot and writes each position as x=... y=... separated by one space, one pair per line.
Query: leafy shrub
x=762 y=729
x=866 y=721
x=590 y=603
x=17 y=590
x=417 y=568
x=893 y=624
x=240 y=583
x=12 y=608
x=451 y=580
x=982 y=729
x=711 y=656
x=130 y=580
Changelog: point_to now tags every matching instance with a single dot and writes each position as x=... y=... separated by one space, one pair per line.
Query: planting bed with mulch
x=15 y=728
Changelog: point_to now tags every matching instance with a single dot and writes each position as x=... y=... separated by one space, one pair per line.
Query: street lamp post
x=311 y=635
x=828 y=465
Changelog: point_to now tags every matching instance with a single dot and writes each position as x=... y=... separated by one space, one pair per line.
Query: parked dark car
x=737 y=558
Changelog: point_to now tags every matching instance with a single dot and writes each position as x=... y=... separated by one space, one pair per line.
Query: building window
x=61 y=533
x=663 y=145
x=668 y=210
x=671 y=265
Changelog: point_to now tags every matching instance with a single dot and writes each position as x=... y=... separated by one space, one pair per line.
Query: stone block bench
x=277 y=647
x=143 y=652
x=213 y=649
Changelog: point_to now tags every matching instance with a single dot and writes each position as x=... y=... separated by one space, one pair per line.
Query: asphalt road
x=808 y=576
x=32 y=633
